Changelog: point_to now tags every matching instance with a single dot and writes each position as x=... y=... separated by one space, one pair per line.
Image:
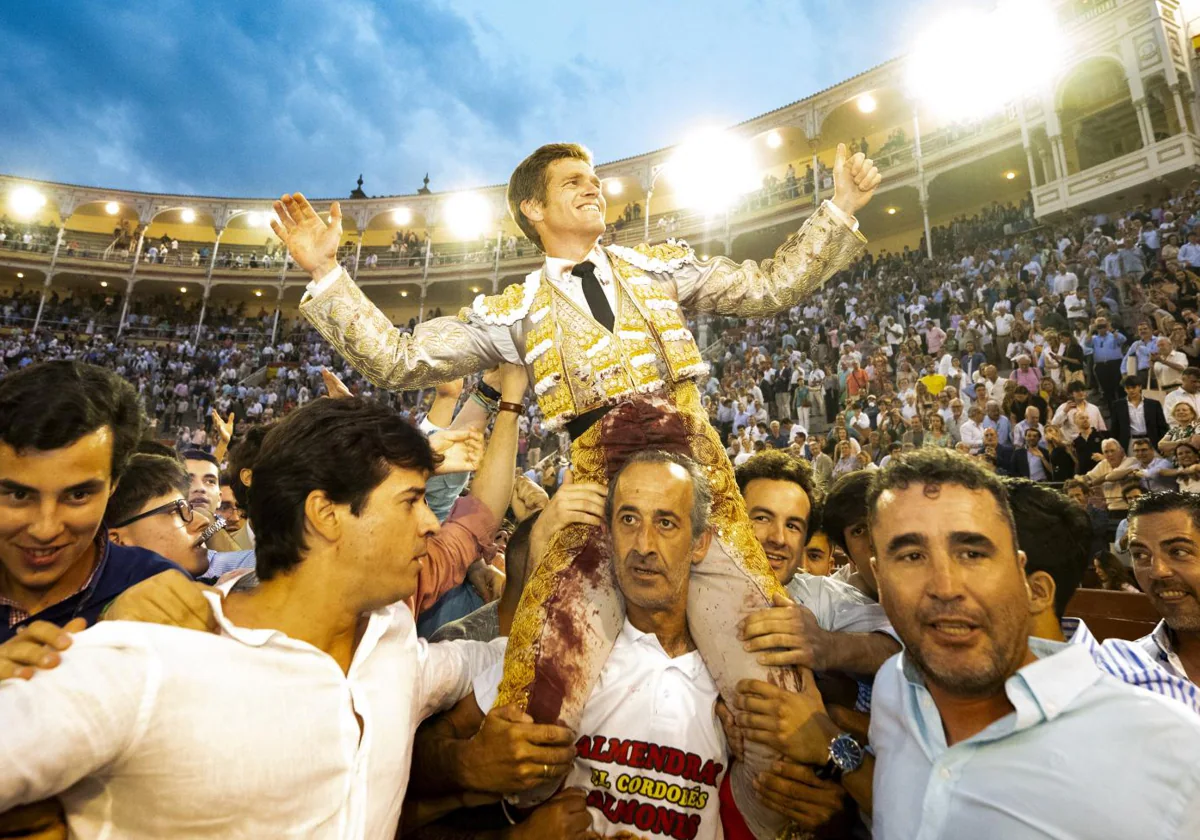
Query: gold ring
x=545 y=771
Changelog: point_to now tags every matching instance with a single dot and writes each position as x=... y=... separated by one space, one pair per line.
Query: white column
x=1180 y=111
x=1144 y=122
x=1032 y=171
x=129 y=281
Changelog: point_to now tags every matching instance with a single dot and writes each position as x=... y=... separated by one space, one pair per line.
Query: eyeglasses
x=179 y=506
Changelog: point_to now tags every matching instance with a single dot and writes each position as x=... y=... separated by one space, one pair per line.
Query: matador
x=599 y=327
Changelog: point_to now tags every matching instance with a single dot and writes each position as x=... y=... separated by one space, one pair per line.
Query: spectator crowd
x=936 y=456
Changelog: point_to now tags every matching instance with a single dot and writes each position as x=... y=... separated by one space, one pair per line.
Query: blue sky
x=257 y=98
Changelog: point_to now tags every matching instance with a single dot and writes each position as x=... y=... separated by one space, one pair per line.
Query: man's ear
x=700 y=546
x=1042 y=592
x=116 y=537
x=323 y=516
x=534 y=210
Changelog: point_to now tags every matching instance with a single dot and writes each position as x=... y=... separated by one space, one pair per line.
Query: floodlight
x=402 y=216
x=183 y=290
x=25 y=201
x=614 y=186
x=103 y=284
x=891 y=211
x=403 y=294
x=187 y=215
x=867 y=103
x=712 y=170
x=257 y=293
x=774 y=139
x=468 y=215
x=962 y=68
x=1010 y=175
x=112 y=208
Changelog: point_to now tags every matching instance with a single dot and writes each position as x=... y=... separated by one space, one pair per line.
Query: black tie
x=597 y=301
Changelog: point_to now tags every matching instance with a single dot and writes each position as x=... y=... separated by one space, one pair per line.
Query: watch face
x=846 y=753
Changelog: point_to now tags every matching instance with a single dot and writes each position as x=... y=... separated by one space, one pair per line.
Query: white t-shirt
x=651 y=753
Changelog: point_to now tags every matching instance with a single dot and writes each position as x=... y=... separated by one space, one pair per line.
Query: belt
x=583 y=422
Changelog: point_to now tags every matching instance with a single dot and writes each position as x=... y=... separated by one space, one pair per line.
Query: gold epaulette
x=506 y=308
x=658 y=259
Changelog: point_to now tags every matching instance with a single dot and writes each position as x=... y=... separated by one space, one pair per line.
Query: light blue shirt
x=224 y=562
x=1107 y=348
x=1142 y=350
x=1081 y=756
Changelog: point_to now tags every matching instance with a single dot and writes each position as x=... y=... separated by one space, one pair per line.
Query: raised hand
x=334 y=387
x=312 y=243
x=855 y=180
x=461 y=450
x=223 y=429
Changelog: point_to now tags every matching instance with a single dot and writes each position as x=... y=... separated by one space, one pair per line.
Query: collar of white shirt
x=689 y=663
x=558 y=270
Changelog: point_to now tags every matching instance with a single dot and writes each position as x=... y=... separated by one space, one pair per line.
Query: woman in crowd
x=1186 y=429
x=1113 y=576
x=1186 y=471
x=936 y=434
x=846 y=460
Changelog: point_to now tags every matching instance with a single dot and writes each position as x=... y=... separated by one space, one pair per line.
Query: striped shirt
x=1146 y=663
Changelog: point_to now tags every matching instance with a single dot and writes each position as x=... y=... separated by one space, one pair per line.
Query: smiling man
x=67 y=432
x=980 y=730
x=1164 y=543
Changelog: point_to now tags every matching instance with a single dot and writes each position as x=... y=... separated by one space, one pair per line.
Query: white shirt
x=1064 y=418
x=1167 y=376
x=648 y=710
x=1137 y=418
x=838 y=606
x=116 y=730
x=971 y=434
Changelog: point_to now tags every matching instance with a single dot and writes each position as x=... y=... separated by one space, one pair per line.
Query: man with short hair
x=1142 y=350
x=964 y=718
x=1064 y=417
x=996 y=420
x=148 y=510
x=1032 y=461
x=970 y=432
x=1164 y=544
x=341 y=522
x=1168 y=365
x=1107 y=353
x=1110 y=474
x=653 y=687
x=205 y=493
x=1150 y=467
x=1136 y=416
x=1032 y=421
x=67 y=433
x=835 y=627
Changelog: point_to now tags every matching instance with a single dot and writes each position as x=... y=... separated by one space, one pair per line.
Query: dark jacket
x=120 y=568
x=1156 y=422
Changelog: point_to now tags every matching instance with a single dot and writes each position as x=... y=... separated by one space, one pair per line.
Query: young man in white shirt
x=112 y=731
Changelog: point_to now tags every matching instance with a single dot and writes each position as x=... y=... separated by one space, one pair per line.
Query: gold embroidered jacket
x=576 y=365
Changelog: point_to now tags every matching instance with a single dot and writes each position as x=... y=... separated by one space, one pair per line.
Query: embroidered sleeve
x=821 y=248
x=439 y=350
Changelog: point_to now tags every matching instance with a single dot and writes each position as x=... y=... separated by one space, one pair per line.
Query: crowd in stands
x=995 y=426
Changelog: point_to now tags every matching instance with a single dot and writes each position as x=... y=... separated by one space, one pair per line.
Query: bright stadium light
x=188 y=215
x=867 y=103
x=112 y=208
x=403 y=293
x=402 y=216
x=774 y=139
x=183 y=290
x=613 y=186
x=468 y=215
x=25 y=201
x=257 y=293
x=103 y=284
x=20 y=275
x=892 y=211
x=712 y=170
x=254 y=219
x=962 y=69
x=1010 y=175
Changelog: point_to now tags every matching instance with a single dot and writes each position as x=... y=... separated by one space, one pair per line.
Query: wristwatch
x=845 y=756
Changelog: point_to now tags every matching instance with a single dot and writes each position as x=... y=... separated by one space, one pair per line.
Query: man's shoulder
x=508 y=307
x=126 y=565
x=664 y=258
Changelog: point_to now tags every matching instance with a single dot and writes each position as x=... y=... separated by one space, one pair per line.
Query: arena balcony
x=1117 y=117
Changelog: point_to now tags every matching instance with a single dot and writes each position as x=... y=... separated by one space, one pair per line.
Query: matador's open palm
x=312 y=243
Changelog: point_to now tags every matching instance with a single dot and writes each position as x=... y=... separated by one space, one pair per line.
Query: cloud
x=255 y=99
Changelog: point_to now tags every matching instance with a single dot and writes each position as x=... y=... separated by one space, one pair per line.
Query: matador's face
x=575 y=202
